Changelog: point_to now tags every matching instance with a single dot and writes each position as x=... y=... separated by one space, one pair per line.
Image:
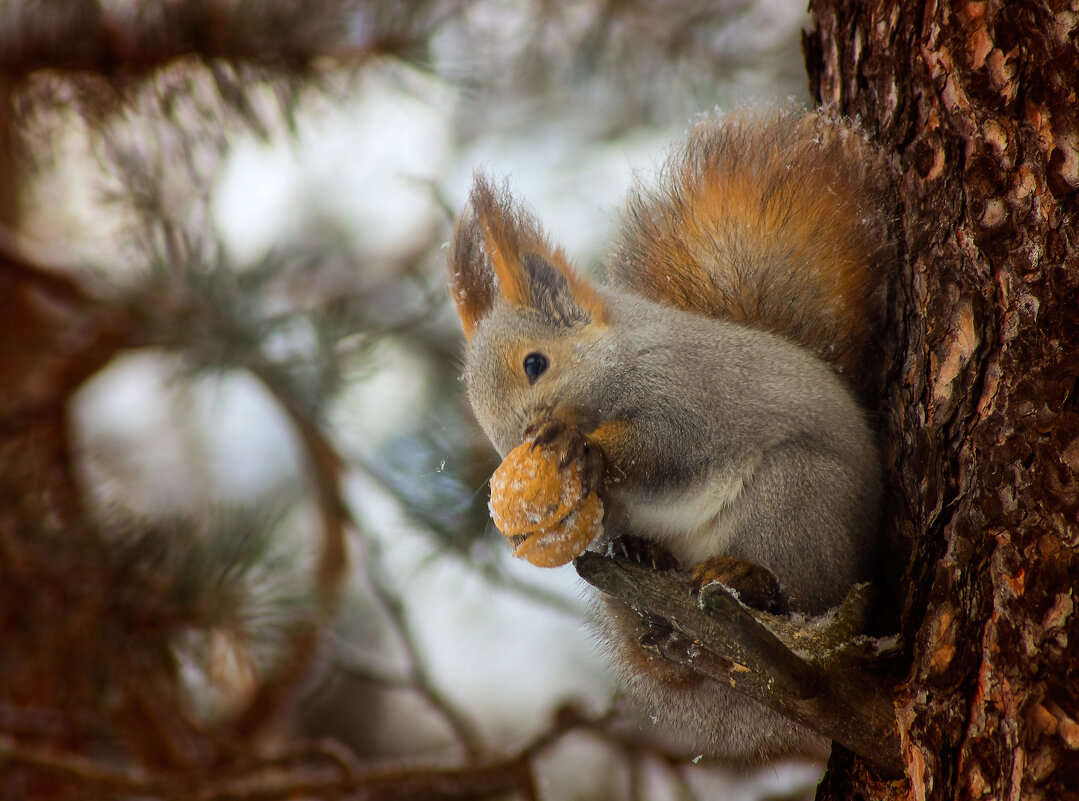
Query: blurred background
x=244 y=542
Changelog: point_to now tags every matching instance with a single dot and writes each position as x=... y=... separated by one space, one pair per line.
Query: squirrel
x=710 y=385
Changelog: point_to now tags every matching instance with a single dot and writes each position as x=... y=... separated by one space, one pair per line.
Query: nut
x=539 y=507
x=529 y=492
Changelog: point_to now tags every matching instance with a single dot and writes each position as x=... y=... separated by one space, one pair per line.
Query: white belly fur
x=694 y=524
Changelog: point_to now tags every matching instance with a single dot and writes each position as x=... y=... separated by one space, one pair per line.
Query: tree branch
x=276 y=777
x=100 y=331
x=818 y=672
x=87 y=38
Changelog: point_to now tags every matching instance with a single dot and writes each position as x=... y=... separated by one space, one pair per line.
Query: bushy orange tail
x=772 y=222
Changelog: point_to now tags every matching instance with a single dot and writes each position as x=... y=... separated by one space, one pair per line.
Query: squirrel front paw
x=754 y=585
x=571 y=447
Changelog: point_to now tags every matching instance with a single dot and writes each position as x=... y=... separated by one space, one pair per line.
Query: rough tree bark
x=976 y=105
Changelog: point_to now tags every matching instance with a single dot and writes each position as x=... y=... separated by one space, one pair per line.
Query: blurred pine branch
x=165 y=655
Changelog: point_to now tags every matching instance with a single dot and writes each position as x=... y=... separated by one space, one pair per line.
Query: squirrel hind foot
x=752 y=584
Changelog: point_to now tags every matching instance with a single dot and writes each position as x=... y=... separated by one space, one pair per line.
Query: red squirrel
x=706 y=390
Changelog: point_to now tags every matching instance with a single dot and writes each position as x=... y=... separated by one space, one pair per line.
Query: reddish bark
x=976 y=105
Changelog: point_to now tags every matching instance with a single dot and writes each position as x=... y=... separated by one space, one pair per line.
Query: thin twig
x=348 y=661
x=77 y=767
x=326 y=467
x=337 y=518
x=396 y=783
x=304 y=754
x=419 y=675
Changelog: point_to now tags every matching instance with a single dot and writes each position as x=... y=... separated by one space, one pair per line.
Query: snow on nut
x=539 y=506
x=567 y=539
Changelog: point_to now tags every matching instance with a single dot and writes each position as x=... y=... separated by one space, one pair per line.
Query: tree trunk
x=976 y=105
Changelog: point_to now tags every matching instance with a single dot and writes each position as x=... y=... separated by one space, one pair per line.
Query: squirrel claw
x=570 y=441
x=644 y=552
x=571 y=446
x=591 y=468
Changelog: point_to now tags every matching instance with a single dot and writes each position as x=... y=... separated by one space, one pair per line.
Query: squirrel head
x=533 y=326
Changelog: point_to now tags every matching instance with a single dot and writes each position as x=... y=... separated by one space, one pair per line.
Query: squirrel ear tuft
x=472 y=283
x=499 y=249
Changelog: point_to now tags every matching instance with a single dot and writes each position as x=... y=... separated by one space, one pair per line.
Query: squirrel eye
x=535 y=366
